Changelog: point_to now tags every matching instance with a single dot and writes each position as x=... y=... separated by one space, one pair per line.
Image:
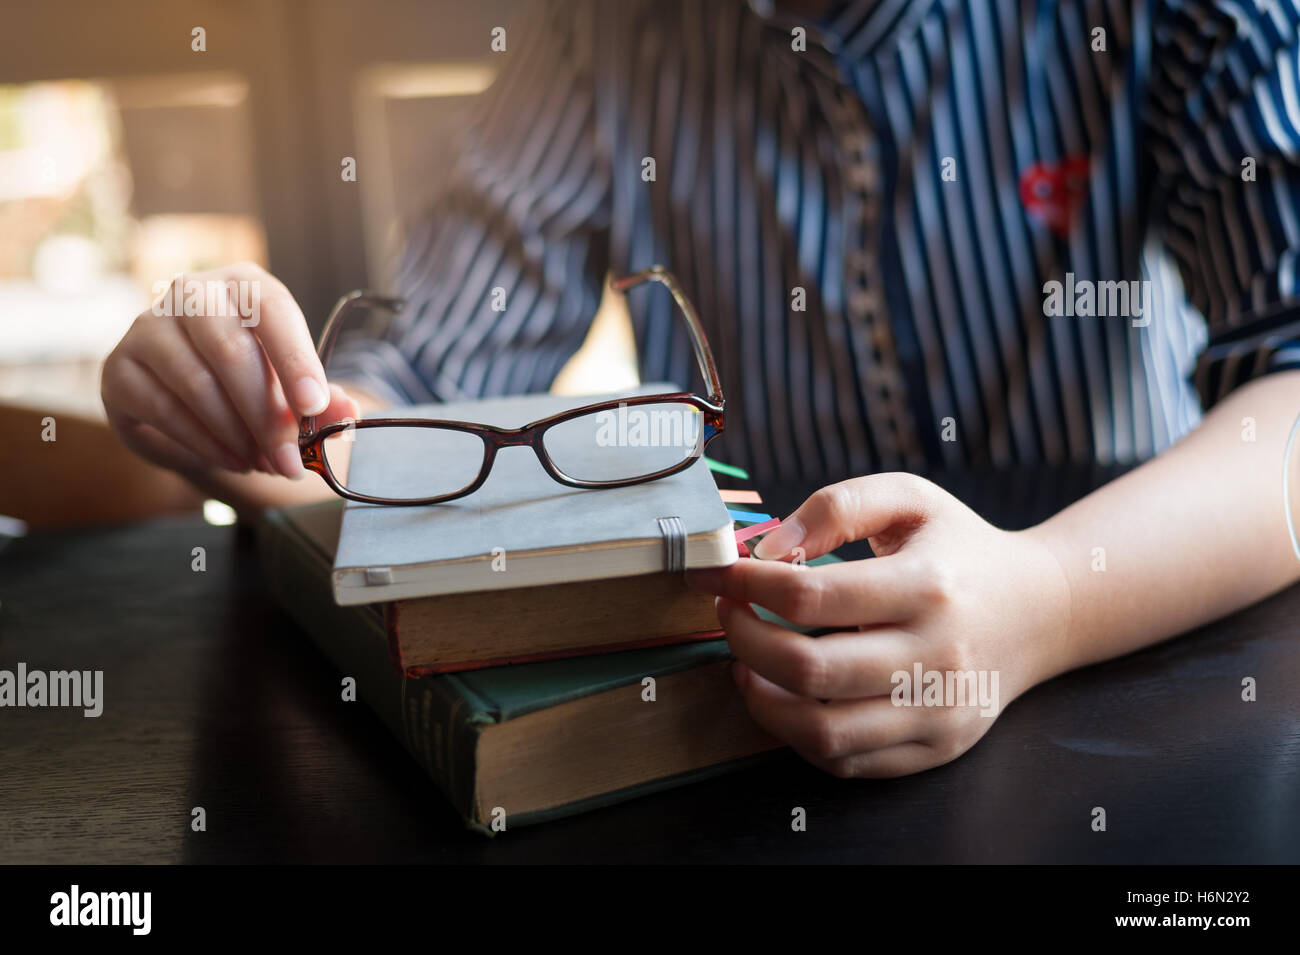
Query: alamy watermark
x=923 y=687
x=49 y=688
x=1084 y=298
x=213 y=298
x=128 y=909
x=673 y=426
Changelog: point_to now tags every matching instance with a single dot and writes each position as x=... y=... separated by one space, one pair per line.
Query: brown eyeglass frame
x=311 y=438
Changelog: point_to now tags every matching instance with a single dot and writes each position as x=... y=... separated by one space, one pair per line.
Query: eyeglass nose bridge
x=526 y=437
x=529 y=436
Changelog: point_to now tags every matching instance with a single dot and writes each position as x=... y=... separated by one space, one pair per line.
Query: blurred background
x=127 y=156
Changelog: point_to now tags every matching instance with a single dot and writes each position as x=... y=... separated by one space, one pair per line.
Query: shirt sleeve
x=503 y=275
x=1223 y=124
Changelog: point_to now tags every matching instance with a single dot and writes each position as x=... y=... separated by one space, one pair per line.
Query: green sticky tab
x=727 y=469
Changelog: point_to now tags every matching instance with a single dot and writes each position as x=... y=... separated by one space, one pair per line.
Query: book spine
x=440 y=727
x=436 y=722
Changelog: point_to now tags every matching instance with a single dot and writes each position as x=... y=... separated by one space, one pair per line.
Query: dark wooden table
x=215 y=699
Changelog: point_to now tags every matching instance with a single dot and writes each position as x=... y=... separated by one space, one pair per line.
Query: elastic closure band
x=674 y=544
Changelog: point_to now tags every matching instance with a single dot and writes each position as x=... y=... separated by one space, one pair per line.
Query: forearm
x=1196 y=533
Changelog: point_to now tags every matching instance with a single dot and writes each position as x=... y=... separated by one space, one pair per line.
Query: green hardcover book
x=535 y=741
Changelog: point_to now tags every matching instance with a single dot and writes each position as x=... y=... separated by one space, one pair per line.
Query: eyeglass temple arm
x=703 y=354
x=656 y=273
x=330 y=333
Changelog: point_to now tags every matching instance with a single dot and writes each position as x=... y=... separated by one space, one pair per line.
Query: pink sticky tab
x=740 y=497
x=753 y=530
x=741 y=549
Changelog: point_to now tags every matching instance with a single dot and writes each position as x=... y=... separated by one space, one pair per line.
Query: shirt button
x=855 y=144
x=863 y=301
x=861 y=177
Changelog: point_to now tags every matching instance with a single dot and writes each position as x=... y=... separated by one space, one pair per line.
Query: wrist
x=1057 y=638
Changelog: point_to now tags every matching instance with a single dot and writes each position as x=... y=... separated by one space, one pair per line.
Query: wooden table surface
x=214 y=698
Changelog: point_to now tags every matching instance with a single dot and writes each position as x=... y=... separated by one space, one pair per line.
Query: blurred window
x=106 y=190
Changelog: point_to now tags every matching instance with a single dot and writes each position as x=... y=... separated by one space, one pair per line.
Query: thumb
x=341 y=406
x=849 y=511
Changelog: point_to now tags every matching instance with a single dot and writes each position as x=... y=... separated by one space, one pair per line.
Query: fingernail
x=781 y=541
x=309 y=397
x=288 y=461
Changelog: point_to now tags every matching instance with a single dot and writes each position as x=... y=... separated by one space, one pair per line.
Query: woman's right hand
x=223 y=388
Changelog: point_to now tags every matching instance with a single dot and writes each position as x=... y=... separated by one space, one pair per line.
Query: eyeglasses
x=608 y=444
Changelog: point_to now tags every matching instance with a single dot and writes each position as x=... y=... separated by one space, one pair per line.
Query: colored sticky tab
x=752 y=517
x=739 y=497
x=741 y=549
x=745 y=533
x=727 y=469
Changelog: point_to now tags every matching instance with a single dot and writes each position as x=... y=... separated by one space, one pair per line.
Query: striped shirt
x=919 y=234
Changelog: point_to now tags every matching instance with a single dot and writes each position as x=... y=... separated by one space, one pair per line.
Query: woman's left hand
x=986 y=610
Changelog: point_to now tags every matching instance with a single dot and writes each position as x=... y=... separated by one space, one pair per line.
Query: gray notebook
x=521 y=528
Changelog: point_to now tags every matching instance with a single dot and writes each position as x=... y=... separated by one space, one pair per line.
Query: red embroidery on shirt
x=1053 y=191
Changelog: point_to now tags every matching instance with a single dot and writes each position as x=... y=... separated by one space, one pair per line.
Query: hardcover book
x=530 y=742
x=454 y=632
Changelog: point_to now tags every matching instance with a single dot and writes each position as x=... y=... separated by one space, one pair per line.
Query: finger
x=849 y=511
x=152 y=445
x=281 y=327
x=167 y=351
x=824 y=731
x=861 y=592
x=836 y=666
x=235 y=355
x=338 y=449
x=341 y=407
x=143 y=399
x=902 y=759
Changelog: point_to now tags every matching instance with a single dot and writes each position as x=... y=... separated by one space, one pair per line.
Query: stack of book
x=525 y=642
